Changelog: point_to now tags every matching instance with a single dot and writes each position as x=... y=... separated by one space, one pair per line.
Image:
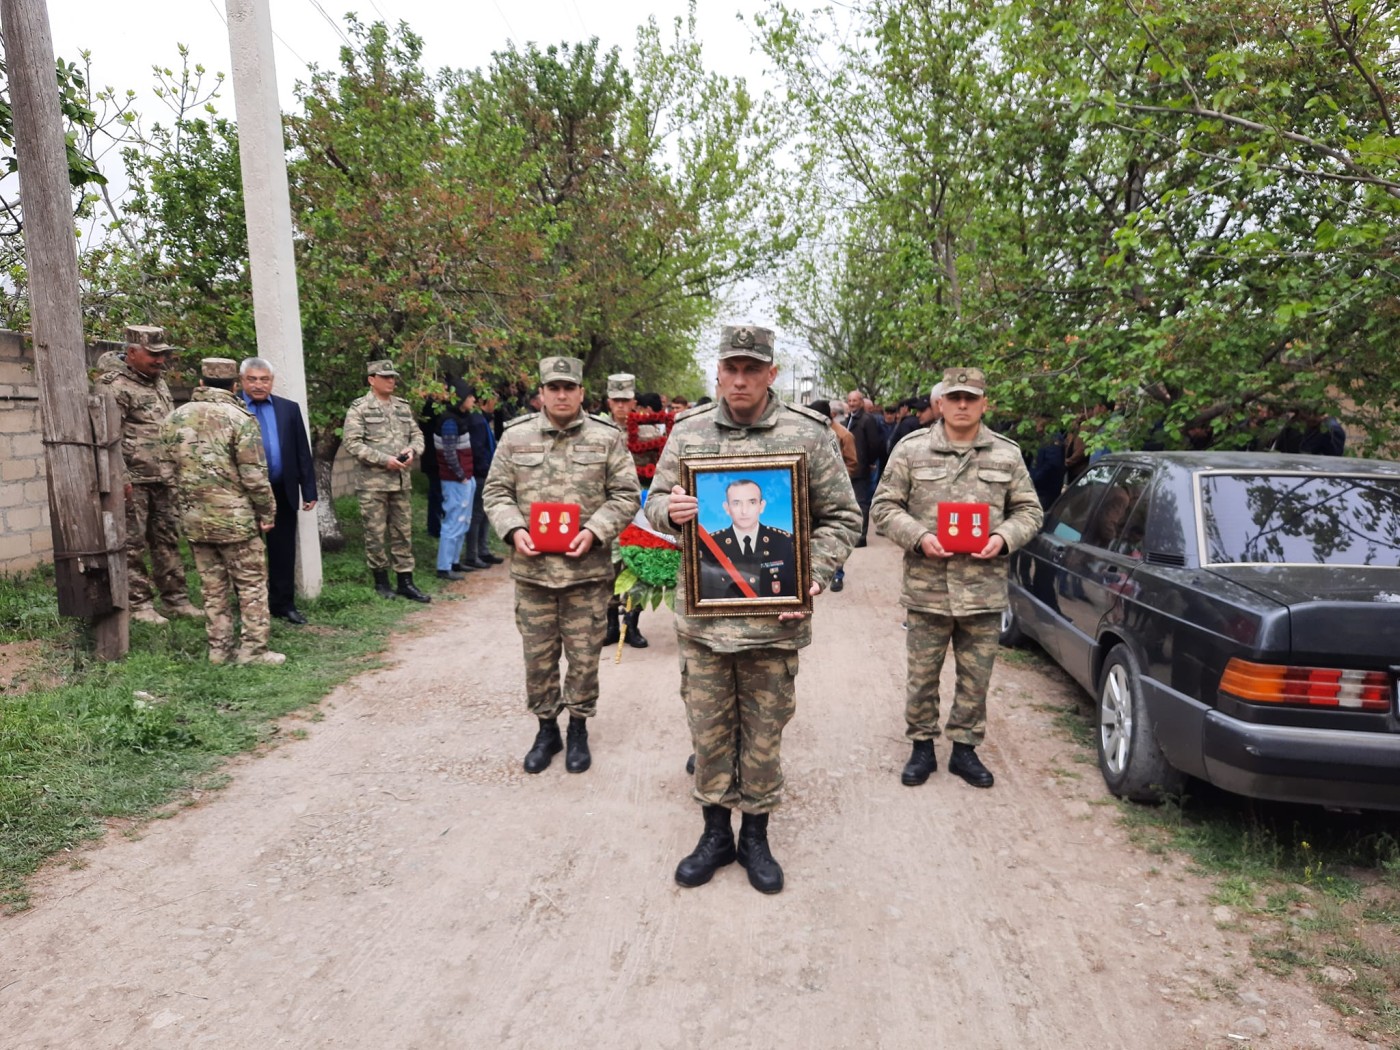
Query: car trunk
x=1339 y=615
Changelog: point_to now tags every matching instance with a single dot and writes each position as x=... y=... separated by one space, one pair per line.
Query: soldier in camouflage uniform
x=738 y=672
x=561 y=455
x=226 y=503
x=134 y=381
x=385 y=440
x=957 y=597
x=622 y=402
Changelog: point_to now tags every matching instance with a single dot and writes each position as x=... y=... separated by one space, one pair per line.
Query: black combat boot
x=381 y=584
x=765 y=874
x=967 y=765
x=714 y=850
x=613 y=632
x=577 y=758
x=408 y=590
x=633 y=637
x=922 y=762
x=547 y=744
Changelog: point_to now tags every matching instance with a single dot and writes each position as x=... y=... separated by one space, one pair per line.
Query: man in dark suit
x=763 y=555
x=292 y=473
x=870 y=451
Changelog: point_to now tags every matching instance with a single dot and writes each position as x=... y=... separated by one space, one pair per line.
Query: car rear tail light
x=1308 y=686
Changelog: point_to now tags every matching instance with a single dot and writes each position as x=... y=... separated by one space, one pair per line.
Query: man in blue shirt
x=292 y=472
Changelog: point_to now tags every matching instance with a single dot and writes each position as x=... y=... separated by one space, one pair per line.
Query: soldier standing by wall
x=738 y=673
x=220 y=473
x=138 y=387
x=561 y=455
x=382 y=435
x=954 y=597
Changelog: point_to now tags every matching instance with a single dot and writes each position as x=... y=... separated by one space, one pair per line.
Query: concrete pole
x=267 y=203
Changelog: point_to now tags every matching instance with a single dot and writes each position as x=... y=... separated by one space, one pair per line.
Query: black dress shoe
x=470 y=565
x=922 y=762
x=292 y=616
x=967 y=765
x=837 y=583
x=690 y=764
x=491 y=559
x=449 y=574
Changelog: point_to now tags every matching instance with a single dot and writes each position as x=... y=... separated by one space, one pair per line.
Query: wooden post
x=82 y=548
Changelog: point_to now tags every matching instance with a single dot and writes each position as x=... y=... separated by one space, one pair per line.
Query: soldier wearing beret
x=738 y=673
x=561 y=455
x=136 y=382
x=226 y=503
x=384 y=439
x=953 y=597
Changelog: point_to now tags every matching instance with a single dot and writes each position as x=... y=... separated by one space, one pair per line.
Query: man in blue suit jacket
x=292 y=473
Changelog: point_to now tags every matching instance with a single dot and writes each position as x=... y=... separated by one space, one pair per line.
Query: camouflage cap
x=746 y=341
x=622 y=386
x=561 y=370
x=149 y=336
x=218 y=368
x=969 y=380
x=382 y=367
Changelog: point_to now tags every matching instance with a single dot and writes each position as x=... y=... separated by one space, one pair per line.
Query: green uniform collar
x=220 y=397
x=766 y=421
x=938 y=438
x=546 y=427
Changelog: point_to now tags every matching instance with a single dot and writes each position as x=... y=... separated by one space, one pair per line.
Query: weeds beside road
x=84 y=743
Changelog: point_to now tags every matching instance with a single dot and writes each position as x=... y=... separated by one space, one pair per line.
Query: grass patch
x=1318 y=891
x=119 y=741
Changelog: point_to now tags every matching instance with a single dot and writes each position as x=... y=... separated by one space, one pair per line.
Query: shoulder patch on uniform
x=781 y=532
x=695 y=410
x=606 y=422
x=520 y=419
x=809 y=413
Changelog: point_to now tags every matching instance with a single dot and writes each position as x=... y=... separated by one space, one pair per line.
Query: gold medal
x=952 y=530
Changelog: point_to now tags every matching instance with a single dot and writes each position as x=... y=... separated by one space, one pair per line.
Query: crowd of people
x=559 y=482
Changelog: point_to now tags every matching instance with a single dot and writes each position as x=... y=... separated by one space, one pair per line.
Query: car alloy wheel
x=1130 y=758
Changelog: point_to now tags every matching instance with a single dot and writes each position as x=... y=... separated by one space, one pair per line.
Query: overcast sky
x=126 y=39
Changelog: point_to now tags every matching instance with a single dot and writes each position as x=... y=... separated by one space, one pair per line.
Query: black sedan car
x=1237 y=616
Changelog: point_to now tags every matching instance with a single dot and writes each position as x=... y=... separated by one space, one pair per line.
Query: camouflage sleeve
x=668 y=475
x=252 y=470
x=498 y=494
x=889 y=509
x=623 y=494
x=353 y=437
x=1023 y=511
x=835 y=513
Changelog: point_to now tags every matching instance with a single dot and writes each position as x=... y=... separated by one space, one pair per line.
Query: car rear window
x=1300 y=519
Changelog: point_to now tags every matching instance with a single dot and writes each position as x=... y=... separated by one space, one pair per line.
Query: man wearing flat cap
x=226 y=503
x=561 y=455
x=384 y=439
x=622 y=402
x=738 y=673
x=136 y=383
x=950 y=597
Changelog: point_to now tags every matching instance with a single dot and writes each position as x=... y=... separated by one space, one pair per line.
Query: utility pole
x=81 y=432
x=267 y=204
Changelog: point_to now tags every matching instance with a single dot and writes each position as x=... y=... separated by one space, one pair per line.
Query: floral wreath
x=637 y=445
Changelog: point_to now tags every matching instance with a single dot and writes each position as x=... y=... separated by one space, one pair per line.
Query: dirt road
x=395 y=880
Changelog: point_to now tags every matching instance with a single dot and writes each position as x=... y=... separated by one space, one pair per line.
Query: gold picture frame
x=748 y=551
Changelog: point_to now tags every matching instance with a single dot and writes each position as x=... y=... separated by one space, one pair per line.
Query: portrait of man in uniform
x=749 y=546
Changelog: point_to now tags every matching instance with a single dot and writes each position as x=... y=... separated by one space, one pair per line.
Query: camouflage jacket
x=144 y=405
x=925 y=469
x=220 y=470
x=835 y=516
x=586 y=463
x=376 y=432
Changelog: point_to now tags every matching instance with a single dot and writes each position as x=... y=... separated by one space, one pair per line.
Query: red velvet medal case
x=553 y=526
x=963 y=528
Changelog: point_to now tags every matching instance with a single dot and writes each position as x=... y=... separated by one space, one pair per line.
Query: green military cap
x=969 y=380
x=382 y=367
x=746 y=341
x=218 y=368
x=147 y=336
x=622 y=386
x=561 y=370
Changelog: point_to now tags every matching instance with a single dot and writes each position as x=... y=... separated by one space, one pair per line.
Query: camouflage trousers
x=568 y=621
x=234 y=573
x=974 y=640
x=737 y=705
x=153 y=523
x=388 y=521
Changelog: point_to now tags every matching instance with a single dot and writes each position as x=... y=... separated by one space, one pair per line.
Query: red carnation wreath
x=637 y=445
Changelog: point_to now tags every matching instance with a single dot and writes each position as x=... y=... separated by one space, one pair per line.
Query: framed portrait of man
x=747 y=553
